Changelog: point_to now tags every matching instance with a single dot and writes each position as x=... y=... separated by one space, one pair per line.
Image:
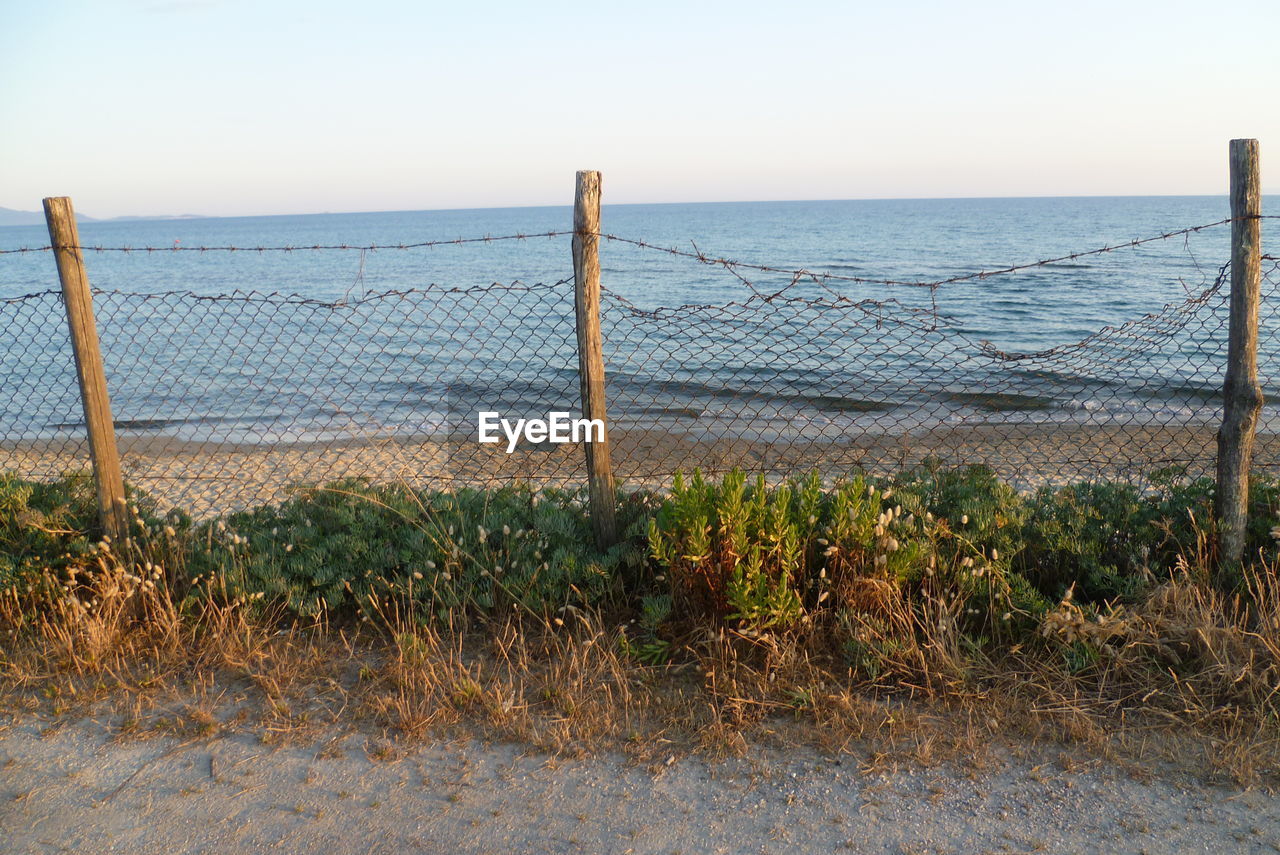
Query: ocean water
x=904 y=359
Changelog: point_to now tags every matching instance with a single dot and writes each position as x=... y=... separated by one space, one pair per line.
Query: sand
x=71 y=787
x=211 y=478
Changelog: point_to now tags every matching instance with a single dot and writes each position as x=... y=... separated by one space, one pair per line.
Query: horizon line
x=639 y=204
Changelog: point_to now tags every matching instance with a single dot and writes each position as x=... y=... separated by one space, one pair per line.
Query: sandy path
x=69 y=789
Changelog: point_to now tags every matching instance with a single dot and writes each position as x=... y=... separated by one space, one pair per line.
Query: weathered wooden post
x=586 y=300
x=65 y=239
x=1242 y=395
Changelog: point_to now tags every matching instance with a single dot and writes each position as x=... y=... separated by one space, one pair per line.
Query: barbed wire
x=798 y=275
x=909 y=315
x=342 y=247
x=801 y=274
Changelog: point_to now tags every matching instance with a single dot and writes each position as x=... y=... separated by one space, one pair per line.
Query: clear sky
x=227 y=107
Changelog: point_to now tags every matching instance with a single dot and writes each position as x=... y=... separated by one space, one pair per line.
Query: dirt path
x=70 y=788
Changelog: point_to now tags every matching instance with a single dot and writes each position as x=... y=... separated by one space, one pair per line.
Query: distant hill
x=10 y=217
x=154 y=217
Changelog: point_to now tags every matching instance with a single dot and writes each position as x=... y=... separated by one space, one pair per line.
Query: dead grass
x=1189 y=676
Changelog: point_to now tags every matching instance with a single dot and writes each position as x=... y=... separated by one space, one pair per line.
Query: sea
x=1135 y=334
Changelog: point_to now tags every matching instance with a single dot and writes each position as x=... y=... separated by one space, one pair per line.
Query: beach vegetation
x=786 y=556
x=349 y=546
x=936 y=607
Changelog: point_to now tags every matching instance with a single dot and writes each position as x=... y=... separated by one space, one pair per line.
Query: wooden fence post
x=586 y=301
x=1242 y=395
x=65 y=239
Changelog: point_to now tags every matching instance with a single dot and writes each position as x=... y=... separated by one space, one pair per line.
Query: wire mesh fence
x=222 y=402
x=788 y=384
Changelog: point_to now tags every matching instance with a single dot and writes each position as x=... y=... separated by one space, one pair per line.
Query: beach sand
x=211 y=478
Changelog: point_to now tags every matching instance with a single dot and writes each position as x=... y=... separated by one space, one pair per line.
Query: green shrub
x=1095 y=538
x=773 y=558
x=349 y=545
x=736 y=552
x=1109 y=541
x=979 y=507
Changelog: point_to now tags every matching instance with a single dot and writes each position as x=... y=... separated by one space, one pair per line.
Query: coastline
x=209 y=478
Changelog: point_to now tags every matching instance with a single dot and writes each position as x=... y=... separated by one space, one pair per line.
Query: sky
x=245 y=107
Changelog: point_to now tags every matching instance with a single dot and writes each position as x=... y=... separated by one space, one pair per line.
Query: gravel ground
x=69 y=787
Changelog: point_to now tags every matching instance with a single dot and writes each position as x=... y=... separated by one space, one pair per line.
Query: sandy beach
x=210 y=478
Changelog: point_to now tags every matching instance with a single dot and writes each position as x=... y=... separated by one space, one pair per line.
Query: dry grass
x=1189 y=675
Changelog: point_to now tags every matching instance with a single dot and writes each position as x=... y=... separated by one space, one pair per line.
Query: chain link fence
x=229 y=401
x=785 y=385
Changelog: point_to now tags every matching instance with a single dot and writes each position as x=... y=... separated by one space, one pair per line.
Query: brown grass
x=1189 y=676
